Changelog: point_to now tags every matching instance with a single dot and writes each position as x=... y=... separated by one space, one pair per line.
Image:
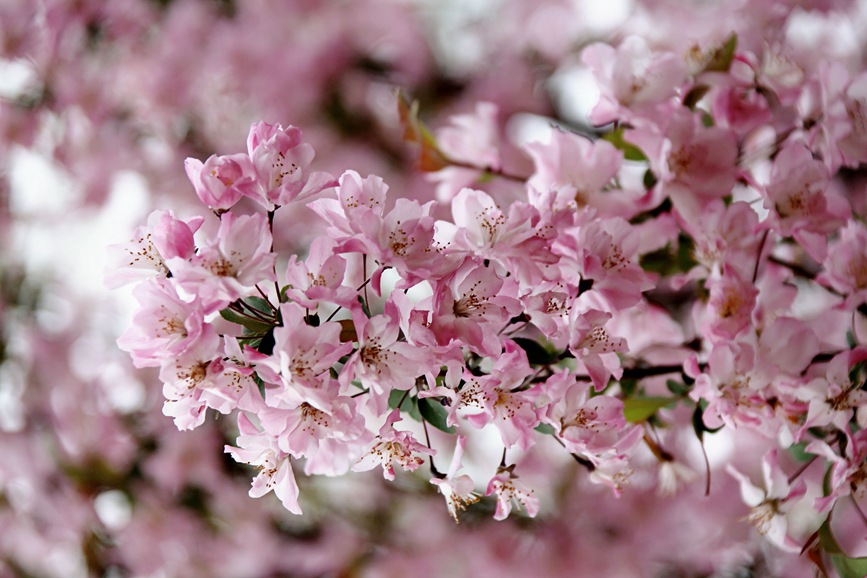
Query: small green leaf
x=799 y=453
x=630 y=151
x=677 y=388
x=537 y=354
x=409 y=405
x=544 y=428
x=260 y=305
x=698 y=422
x=638 y=409
x=849 y=567
x=827 y=539
x=628 y=387
x=694 y=96
x=649 y=179
x=254 y=326
x=435 y=414
x=721 y=58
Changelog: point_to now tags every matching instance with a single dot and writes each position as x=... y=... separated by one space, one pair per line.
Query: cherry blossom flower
x=458 y=490
x=164 y=327
x=231 y=265
x=275 y=467
x=593 y=347
x=282 y=165
x=511 y=493
x=162 y=239
x=221 y=181
x=769 y=506
x=797 y=197
x=631 y=77
x=577 y=168
x=393 y=446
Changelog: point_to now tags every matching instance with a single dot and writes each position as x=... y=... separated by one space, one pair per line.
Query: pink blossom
x=731 y=303
x=230 y=265
x=632 y=78
x=604 y=251
x=282 y=165
x=382 y=362
x=845 y=267
x=470 y=139
x=472 y=305
x=162 y=239
x=587 y=424
x=694 y=164
x=316 y=423
x=458 y=490
x=501 y=398
x=165 y=325
x=593 y=347
x=797 y=199
x=510 y=493
x=575 y=167
x=769 y=506
x=393 y=446
x=319 y=278
x=302 y=353
x=259 y=449
x=221 y=181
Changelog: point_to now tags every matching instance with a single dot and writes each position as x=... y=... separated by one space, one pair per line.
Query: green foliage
x=630 y=151
x=409 y=405
x=639 y=409
x=847 y=566
x=721 y=58
x=435 y=414
x=537 y=354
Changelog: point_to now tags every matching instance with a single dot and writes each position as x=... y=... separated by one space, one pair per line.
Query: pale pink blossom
x=259 y=449
x=393 y=447
x=231 y=265
x=511 y=492
x=458 y=490
x=769 y=505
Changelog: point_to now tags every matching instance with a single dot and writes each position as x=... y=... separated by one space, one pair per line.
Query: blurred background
x=100 y=103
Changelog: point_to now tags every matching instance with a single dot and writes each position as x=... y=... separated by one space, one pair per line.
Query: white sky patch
x=575 y=92
x=17 y=77
x=113 y=509
x=603 y=17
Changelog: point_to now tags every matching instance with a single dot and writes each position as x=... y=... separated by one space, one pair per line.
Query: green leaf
x=849 y=567
x=630 y=151
x=628 y=387
x=827 y=539
x=537 y=354
x=698 y=422
x=846 y=566
x=721 y=58
x=409 y=405
x=649 y=179
x=544 y=428
x=254 y=326
x=638 y=409
x=435 y=414
x=677 y=388
x=695 y=94
x=799 y=453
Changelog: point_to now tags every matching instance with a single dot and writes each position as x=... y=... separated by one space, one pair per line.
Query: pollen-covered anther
x=614 y=260
x=193 y=375
x=222 y=268
x=760 y=516
x=145 y=250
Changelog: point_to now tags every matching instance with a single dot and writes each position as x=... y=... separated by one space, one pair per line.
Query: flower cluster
x=700 y=255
